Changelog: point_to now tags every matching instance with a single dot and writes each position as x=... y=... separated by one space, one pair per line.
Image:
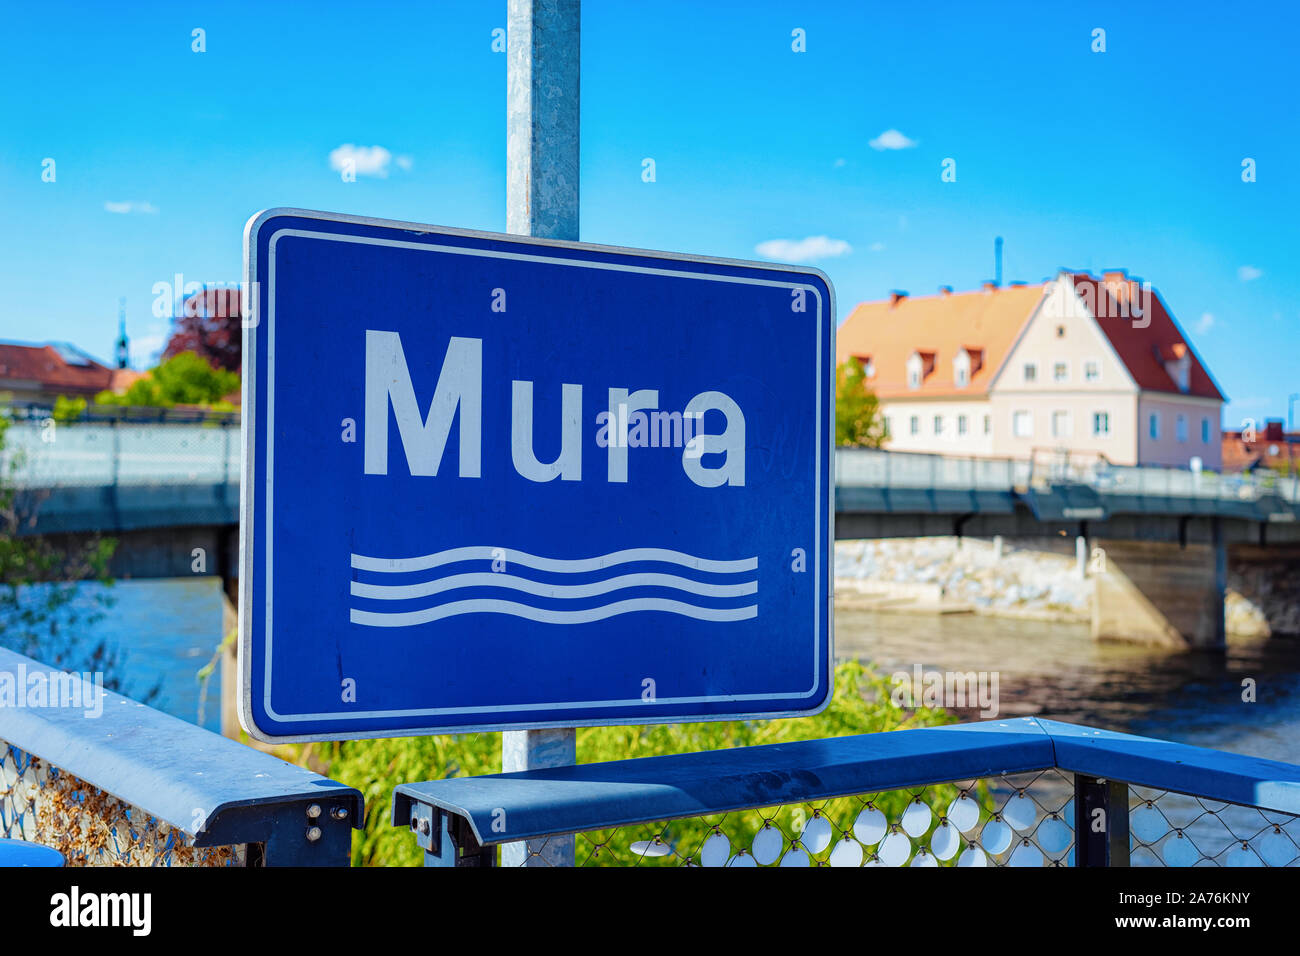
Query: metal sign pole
x=541 y=200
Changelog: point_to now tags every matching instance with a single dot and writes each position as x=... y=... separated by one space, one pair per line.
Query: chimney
x=1120 y=286
x=897 y=296
x=945 y=289
x=990 y=285
x=997 y=260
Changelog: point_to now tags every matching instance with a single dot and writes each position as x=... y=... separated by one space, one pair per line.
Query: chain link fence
x=1019 y=820
x=41 y=803
x=1058 y=800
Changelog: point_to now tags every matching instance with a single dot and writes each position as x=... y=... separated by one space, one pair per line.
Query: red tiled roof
x=1143 y=349
x=47 y=368
x=940 y=326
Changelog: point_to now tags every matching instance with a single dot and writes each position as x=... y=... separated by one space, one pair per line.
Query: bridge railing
x=108 y=781
x=47 y=454
x=1022 y=792
x=52 y=454
x=870 y=467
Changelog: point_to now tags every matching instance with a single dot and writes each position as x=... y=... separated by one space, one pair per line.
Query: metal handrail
x=457 y=818
x=217 y=791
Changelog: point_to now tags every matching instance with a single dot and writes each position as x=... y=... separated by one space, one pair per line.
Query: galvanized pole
x=542 y=44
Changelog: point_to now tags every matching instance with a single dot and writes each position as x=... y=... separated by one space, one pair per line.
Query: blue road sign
x=493 y=482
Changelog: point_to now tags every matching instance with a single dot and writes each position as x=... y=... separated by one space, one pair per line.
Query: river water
x=168 y=629
x=1058 y=671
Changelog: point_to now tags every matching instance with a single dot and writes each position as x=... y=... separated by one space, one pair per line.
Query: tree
x=211 y=326
x=68 y=409
x=858 y=422
x=185 y=379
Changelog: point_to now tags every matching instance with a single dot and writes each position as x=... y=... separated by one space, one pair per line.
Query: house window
x=915 y=370
x=938 y=425
x=961 y=368
x=1101 y=423
x=1031 y=371
x=1060 y=331
x=914 y=425
x=1060 y=372
x=889 y=427
x=1061 y=425
x=1091 y=370
x=988 y=424
x=1205 y=431
x=1153 y=425
x=962 y=425
x=1180 y=428
x=1022 y=424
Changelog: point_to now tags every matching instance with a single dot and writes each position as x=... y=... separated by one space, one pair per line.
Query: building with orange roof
x=1085 y=365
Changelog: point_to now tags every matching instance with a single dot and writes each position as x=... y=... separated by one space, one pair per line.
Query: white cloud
x=127 y=208
x=404 y=162
x=877 y=247
x=803 y=250
x=362 y=160
x=1204 y=323
x=891 y=139
x=840 y=162
x=1249 y=273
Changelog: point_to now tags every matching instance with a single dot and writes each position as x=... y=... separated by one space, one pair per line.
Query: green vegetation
x=861 y=704
x=858 y=422
x=185 y=379
x=68 y=409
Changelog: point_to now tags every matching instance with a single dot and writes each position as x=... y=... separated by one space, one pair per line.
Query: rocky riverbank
x=953 y=575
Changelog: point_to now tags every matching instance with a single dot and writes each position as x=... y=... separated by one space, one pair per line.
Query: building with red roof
x=1090 y=366
x=39 y=373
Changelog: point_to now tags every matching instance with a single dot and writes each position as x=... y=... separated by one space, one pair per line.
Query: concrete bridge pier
x=1166 y=594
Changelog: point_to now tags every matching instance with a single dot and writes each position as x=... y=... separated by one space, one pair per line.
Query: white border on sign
x=250 y=450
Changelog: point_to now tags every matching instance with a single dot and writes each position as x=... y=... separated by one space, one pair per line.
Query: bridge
x=169 y=494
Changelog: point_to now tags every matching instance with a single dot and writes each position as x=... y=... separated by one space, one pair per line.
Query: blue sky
x=1128 y=158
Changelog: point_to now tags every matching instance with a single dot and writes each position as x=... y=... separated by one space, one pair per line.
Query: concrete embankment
x=1041 y=579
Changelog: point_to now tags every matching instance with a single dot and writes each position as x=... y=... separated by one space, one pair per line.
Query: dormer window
x=919 y=365
x=1178 y=365
x=965 y=364
x=868 y=365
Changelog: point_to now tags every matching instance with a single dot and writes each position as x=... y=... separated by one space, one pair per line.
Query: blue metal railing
x=461 y=821
x=106 y=779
